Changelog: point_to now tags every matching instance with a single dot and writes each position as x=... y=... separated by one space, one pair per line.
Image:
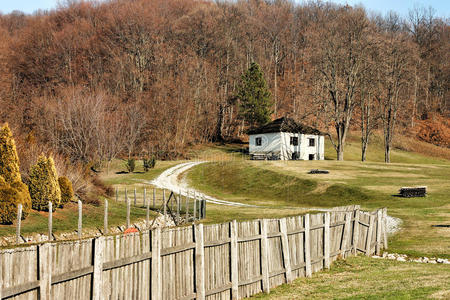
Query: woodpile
x=409 y=192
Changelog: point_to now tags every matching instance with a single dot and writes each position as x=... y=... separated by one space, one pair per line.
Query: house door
x=311 y=157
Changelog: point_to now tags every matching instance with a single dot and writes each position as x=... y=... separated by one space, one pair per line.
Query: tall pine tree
x=255 y=98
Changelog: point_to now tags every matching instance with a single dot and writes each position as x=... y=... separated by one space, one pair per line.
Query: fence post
x=144 y=197
x=156 y=280
x=346 y=236
x=385 y=242
x=147 y=214
x=195 y=206
x=164 y=204
x=285 y=250
x=19 y=221
x=199 y=262
x=154 y=197
x=187 y=206
x=80 y=218
x=105 y=218
x=264 y=256
x=307 y=246
x=45 y=271
x=356 y=233
x=178 y=206
x=117 y=194
x=234 y=261
x=378 y=238
x=369 y=235
x=126 y=195
x=128 y=212
x=97 y=278
x=50 y=221
x=134 y=196
x=327 y=240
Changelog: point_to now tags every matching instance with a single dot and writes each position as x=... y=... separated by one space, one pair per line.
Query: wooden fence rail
x=222 y=261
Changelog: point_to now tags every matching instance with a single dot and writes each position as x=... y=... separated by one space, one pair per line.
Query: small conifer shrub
x=66 y=190
x=130 y=164
x=12 y=190
x=148 y=163
x=9 y=160
x=44 y=185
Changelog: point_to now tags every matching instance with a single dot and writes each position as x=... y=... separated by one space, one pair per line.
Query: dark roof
x=285 y=124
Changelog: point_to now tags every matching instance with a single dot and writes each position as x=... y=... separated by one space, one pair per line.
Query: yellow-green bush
x=12 y=190
x=66 y=190
x=44 y=186
x=9 y=160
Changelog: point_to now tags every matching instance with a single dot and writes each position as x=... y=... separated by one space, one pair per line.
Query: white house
x=286 y=139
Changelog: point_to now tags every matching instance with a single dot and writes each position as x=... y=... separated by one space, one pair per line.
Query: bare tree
x=340 y=49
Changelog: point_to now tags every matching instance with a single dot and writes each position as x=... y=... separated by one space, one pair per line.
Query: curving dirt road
x=170 y=179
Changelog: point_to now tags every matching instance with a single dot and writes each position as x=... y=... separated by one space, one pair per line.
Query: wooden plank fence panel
x=249 y=259
x=164 y=264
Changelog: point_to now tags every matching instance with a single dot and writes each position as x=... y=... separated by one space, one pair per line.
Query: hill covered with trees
x=94 y=80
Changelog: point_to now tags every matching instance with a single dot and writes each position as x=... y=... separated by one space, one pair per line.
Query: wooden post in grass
x=164 y=204
x=307 y=246
x=195 y=205
x=50 y=221
x=117 y=194
x=356 y=233
x=187 y=205
x=144 y=197
x=154 y=196
x=19 y=221
x=178 y=206
x=385 y=240
x=105 y=219
x=147 y=214
x=80 y=218
x=128 y=213
x=134 y=196
x=378 y=239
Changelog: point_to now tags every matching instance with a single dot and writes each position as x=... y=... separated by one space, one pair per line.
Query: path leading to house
x=172 y=179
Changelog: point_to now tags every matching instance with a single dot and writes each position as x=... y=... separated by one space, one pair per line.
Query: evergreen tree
x=66 y=190
x=255 y=98
x=9 y=160
x=44 y=185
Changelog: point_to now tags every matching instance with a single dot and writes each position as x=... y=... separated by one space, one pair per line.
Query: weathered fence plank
x=221 y=261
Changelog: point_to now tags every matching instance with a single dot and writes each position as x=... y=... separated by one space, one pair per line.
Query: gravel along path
x=171 y=179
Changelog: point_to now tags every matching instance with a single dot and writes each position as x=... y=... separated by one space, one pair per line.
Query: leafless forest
x=93 y=81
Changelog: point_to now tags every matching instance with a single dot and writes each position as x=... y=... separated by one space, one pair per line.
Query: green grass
x=66 y=219
x=286 y=188
x=367 y=278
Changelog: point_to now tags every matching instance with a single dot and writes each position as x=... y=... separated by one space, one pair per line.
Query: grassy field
x=285 y=188
x=368 y=278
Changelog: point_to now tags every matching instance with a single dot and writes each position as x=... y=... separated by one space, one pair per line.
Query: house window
x=258 y=141
x=312 y=142
x=311 y=156
x=294 y=141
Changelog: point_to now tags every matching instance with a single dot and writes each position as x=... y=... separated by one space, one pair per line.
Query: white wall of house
x=271 y=143
x=279 y=143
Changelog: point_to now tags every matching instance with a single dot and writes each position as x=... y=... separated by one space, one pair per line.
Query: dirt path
x=170 y=179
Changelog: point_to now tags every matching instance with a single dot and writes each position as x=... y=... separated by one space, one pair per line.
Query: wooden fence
x=222 y=261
